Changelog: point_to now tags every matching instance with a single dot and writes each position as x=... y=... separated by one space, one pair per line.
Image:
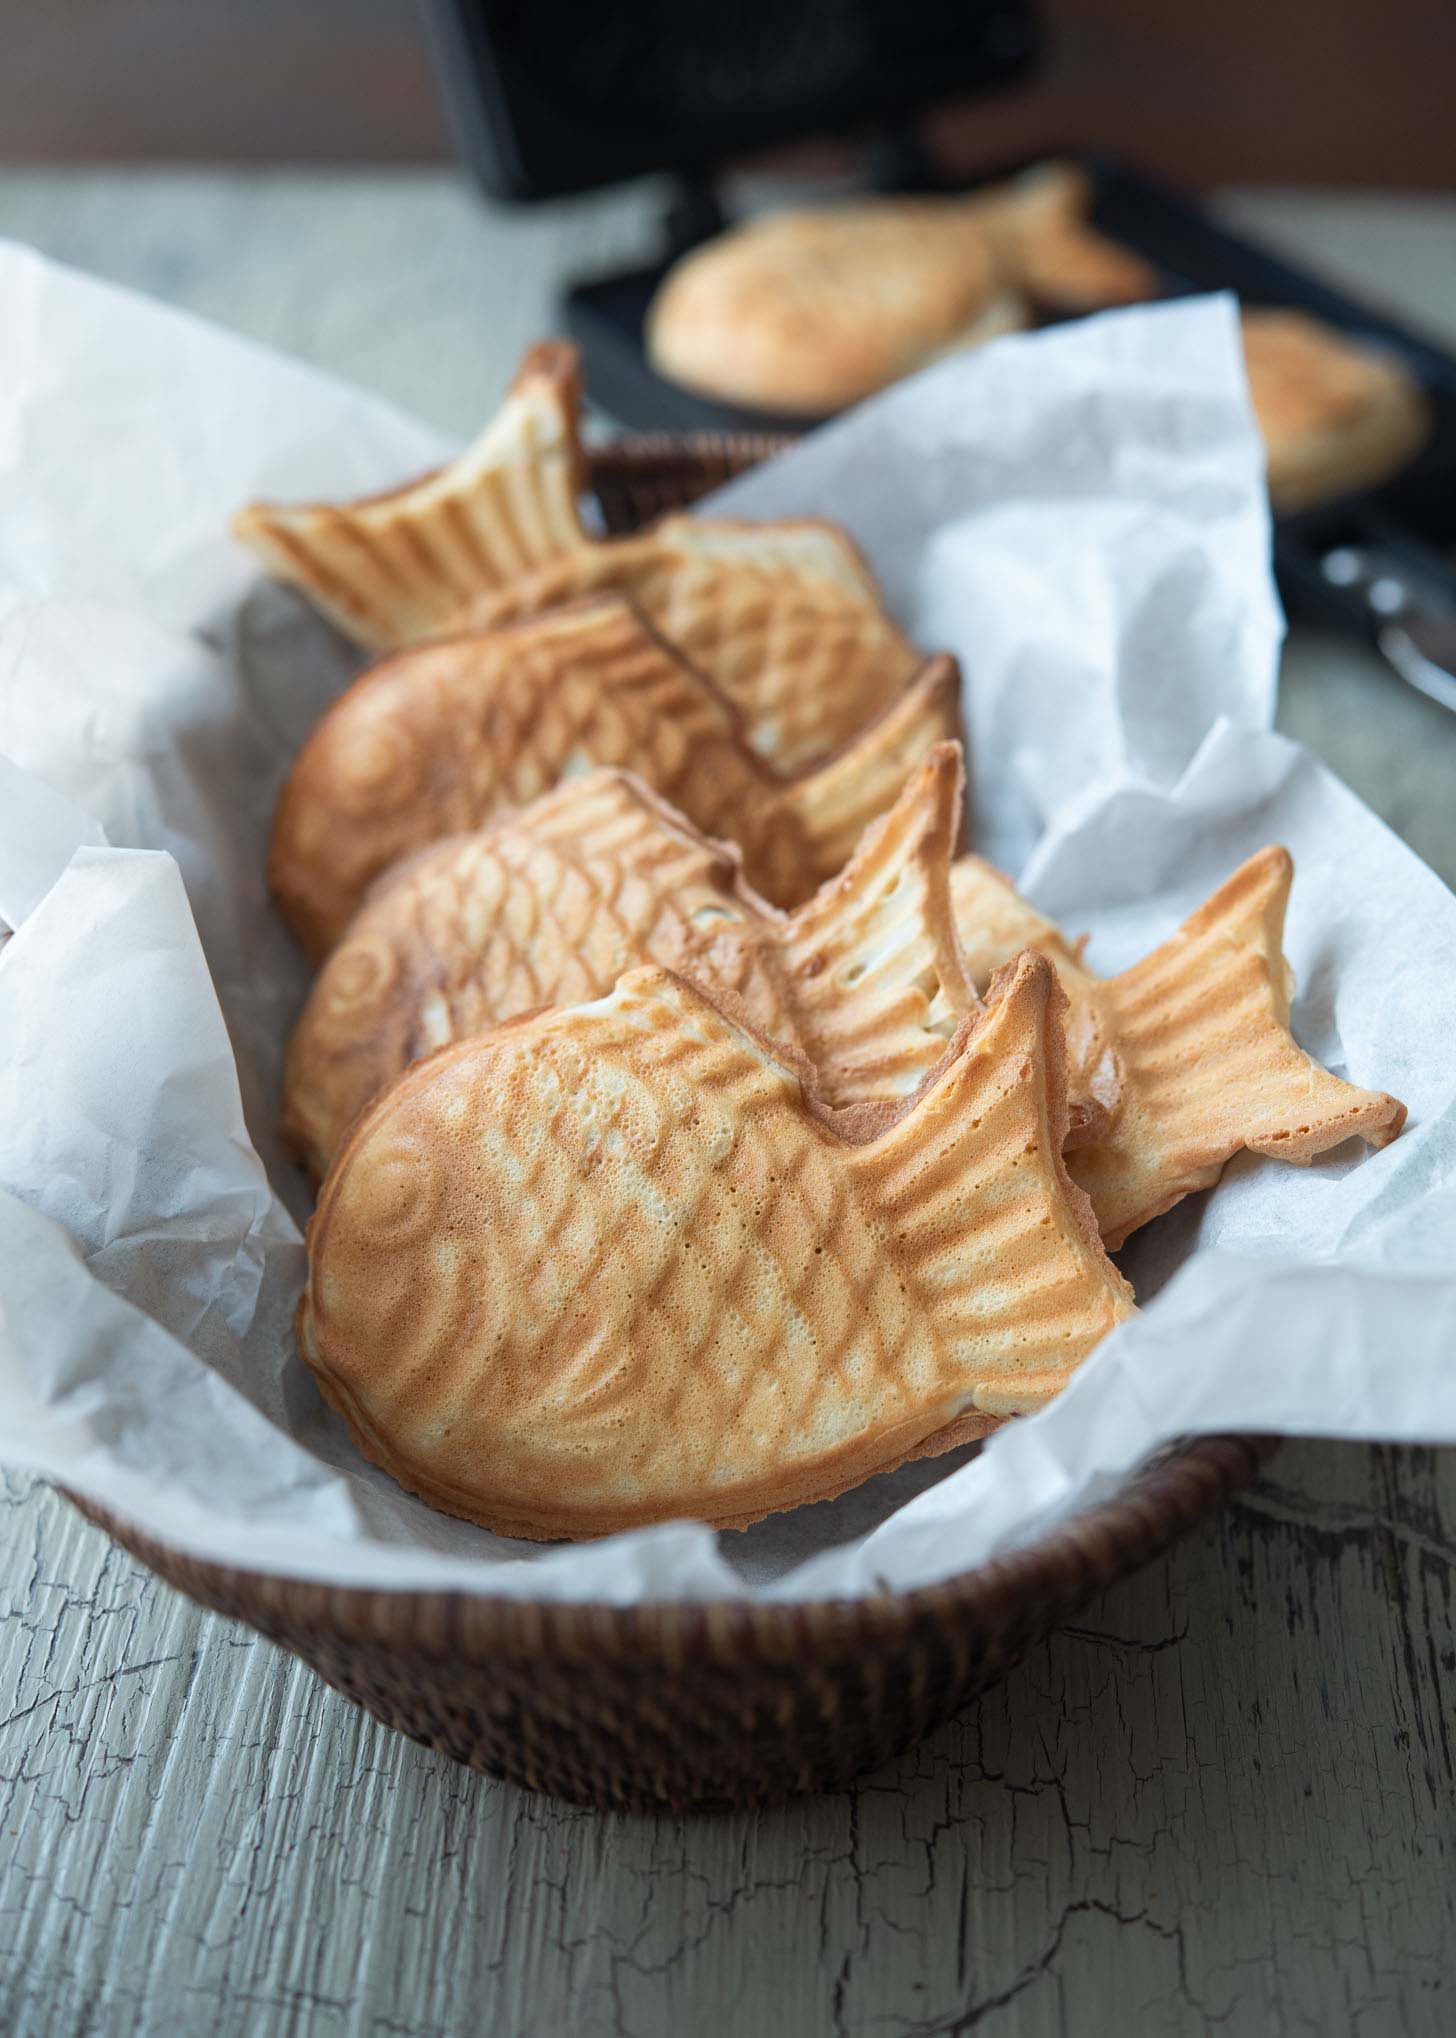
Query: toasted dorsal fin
x=970 y=1182
x=878 y=980
x=614 y=814
x=1202 y=1027
x=834 y=804
x=786 y=617
x=807 y=547
x=995 y=923
x=389 y=569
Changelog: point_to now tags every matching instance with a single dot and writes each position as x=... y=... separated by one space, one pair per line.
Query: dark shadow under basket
x=678 y=1707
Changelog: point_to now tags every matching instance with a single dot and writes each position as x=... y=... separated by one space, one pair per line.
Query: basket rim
x=1166 y=1495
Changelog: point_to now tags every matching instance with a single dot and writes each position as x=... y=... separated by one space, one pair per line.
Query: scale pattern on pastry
x=1199 y=1032
x=614 y=1264
x=457 y=733
x=805 y=312
x=591 y=880
x=784 y=616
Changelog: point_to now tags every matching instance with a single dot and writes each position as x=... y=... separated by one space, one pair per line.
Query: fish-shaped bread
x=803 y=312
x=1193 y=1043
x=995 y=923
x=785 y=616
x=1044 y=245
x=552 y=906
x=615 y=1263
x=458 y=732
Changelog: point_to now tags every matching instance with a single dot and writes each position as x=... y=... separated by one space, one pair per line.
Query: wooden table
x=1224 y=1797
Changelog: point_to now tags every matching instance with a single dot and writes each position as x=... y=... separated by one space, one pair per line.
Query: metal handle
x=1414 y=620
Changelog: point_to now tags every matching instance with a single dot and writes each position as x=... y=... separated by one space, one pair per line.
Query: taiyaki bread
x=615 y=1264
x=786 y=617
x=805 y=312
x=995 y=923
x=457 y=733
x=553 y=905
x=1335 y=416
x=783 y=617
x=1196 y=1039
x=1045 y=247
x=391 y=568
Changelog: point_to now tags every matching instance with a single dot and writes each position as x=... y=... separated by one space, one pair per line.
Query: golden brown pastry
x=805 y=312
x=995 y=923
x=552 y=906
x=1046 y=248
x=785 y=617
x=1193 y=1042
x=392 y=568
x=1335 y=416
x=459 y=732
x=616 y=1264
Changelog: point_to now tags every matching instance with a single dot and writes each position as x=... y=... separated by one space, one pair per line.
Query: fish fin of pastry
x=1210 y=1065
x=877 y=978
x=971 y=1183
x=392 y=568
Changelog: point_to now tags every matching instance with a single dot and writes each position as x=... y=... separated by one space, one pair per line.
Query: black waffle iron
x=556 y=96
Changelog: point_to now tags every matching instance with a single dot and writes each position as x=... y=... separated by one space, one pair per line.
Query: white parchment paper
x=1079 y=515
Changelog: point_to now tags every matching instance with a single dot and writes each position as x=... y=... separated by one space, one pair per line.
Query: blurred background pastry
x=808 y=311
x=1336 y=416
x=805 y=312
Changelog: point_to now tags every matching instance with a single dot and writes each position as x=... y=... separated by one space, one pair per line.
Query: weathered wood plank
x=1223 y=1795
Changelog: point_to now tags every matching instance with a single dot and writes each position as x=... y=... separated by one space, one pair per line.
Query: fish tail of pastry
x=832 y=805
x=1209 y=1063
x=970 y=1183
x=878 y=979
x=391 y=568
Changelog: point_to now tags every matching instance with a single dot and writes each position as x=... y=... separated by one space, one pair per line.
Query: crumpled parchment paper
x=1079 y=515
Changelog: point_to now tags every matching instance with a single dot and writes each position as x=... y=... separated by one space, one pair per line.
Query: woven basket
x=669 y=1707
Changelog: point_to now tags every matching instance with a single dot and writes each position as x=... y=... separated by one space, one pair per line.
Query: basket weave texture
x=675 y=1706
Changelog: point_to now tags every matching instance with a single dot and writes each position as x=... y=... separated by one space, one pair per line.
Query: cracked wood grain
x=1221 y=1800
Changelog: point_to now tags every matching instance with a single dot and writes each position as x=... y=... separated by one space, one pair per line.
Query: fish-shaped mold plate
x=552 y=906
x=456 y=733
x=785 y=617
x=615 y=1264
x=1191 y=1048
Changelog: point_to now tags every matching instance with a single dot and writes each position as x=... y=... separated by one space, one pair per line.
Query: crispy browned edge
x=727 y=854
x=554 y=361
x=941 y=663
